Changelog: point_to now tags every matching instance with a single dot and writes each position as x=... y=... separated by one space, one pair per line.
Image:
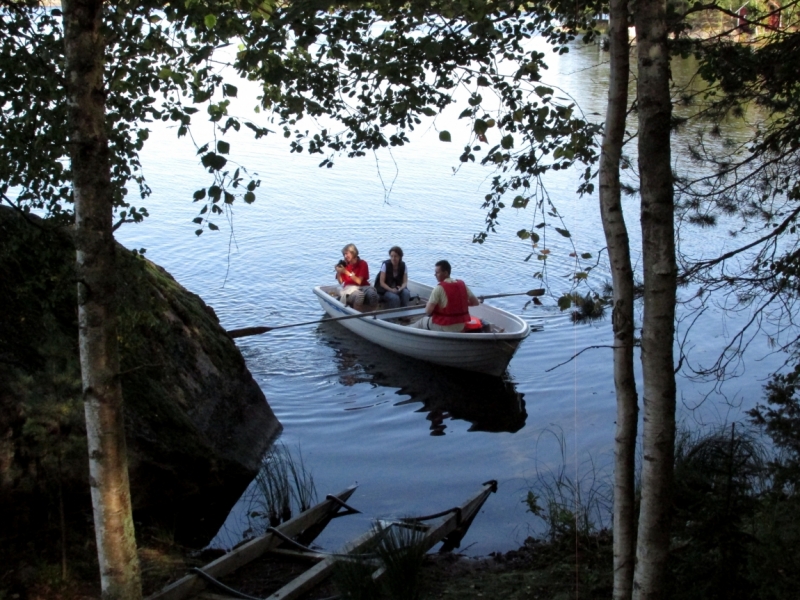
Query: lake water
x=416 y=438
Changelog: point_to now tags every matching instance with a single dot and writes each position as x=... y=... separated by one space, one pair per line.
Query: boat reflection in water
x=488 y=403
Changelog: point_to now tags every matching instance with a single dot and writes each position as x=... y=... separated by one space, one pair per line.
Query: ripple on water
x=417 y=438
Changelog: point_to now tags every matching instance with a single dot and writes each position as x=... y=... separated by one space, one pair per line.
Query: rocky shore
x=197 y=424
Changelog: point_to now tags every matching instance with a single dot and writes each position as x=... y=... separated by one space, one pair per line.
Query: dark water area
x=489 y=404
x=419 y=438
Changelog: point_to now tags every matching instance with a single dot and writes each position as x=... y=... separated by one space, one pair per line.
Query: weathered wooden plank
x=298 y=554
x=191 y=585
x=436 y=532
x=446 y=525
x=300 y=585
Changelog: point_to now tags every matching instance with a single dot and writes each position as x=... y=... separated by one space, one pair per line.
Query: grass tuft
x=282 y=478
x=402 y=552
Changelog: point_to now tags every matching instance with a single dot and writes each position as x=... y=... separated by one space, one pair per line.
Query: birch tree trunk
x=658 y=328
x=622 y=316
x=108 y=469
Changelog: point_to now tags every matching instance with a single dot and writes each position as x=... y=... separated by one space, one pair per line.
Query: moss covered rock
x=197 y=423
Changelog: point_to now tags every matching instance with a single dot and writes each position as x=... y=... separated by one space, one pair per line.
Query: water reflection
x=489 y=403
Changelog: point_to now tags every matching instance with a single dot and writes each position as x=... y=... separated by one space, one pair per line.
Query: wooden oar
x=247 y=331
x=536 y=292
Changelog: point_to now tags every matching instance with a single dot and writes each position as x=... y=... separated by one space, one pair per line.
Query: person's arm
x=382 y=280
x=430 y=307
x=358 y=273
x=405 y=281
x=471 y=299
x=433 y=301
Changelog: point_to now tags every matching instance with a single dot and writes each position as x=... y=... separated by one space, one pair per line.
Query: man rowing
x=448 y=307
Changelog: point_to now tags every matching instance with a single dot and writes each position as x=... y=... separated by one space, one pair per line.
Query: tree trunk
x=658 y=328
x=622 y=317
x=99 y=356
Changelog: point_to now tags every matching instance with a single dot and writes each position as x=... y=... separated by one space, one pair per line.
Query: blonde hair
x=352 y=248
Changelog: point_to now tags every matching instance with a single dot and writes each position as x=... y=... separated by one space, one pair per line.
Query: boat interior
x=416 y=310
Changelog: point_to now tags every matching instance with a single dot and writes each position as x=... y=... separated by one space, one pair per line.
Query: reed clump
x=570 y=506
x=282 y=483
x=353 y=578
x=400 y=552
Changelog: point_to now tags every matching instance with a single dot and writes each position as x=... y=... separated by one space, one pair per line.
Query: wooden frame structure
x=448 y=526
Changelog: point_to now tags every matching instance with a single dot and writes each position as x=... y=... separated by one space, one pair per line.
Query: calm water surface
x=416 y=438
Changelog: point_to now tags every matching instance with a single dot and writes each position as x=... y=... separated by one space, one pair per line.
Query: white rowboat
x=488 y=351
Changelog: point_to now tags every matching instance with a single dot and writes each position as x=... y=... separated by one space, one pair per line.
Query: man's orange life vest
x=457 y=309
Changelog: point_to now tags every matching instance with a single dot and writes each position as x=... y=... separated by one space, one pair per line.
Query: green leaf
x=563 y=232
x=586 y=255
x=249 y=197
x=444 y=136
x=523 y=234
x=507 y=142
x=519 y=202
x=564 y=302
x=229 y=90
x=223 y=147
x=213 y=161
x=210 y=21
x=199 y=194
x=212 y=227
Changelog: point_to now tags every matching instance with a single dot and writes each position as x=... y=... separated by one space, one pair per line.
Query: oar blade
x=248 y=331
x=537 y=292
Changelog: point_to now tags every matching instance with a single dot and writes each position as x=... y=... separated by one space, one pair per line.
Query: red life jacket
x=457 y=309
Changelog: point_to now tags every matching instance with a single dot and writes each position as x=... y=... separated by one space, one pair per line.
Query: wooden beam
x=298 y=554
x=446 y=525
x=436 y=532
x=319 y=572
x=191 y=585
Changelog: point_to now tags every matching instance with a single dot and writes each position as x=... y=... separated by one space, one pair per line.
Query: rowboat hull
x=480 y=352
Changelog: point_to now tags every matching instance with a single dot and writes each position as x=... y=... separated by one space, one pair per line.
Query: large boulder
x=197 y=424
